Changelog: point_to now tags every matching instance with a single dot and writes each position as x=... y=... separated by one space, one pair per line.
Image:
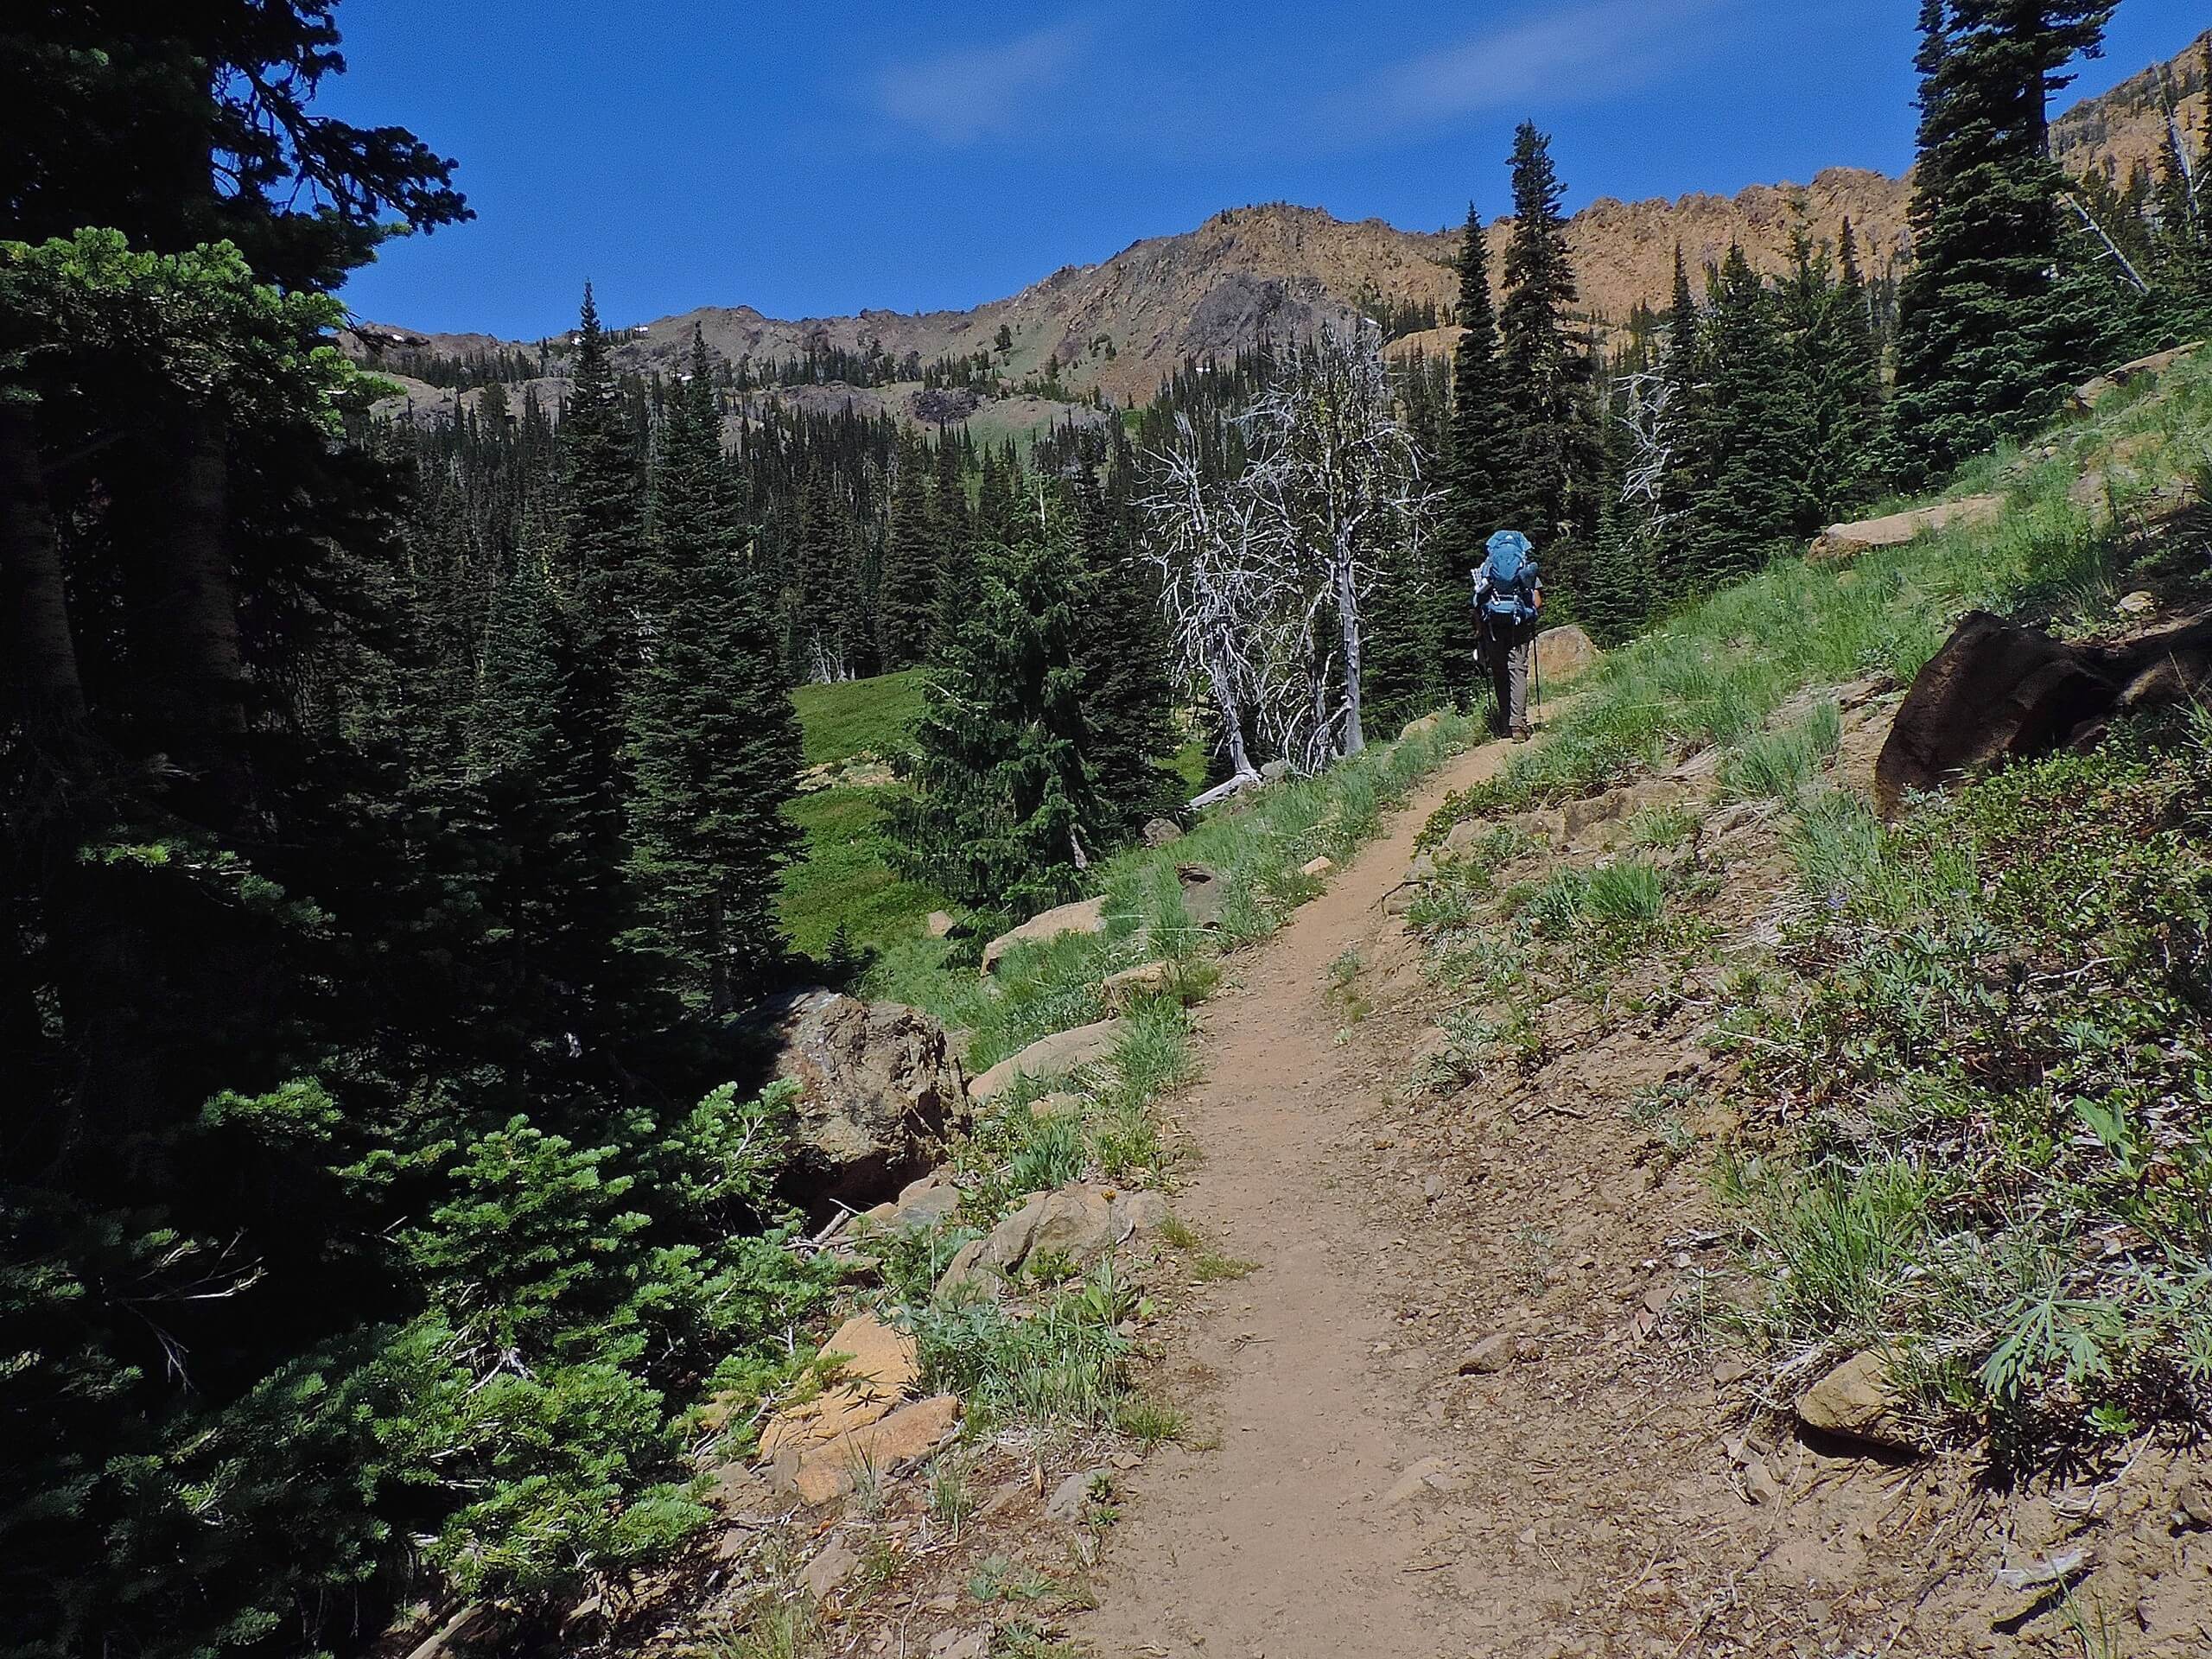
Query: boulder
x=1051 y=1057
x=2086 y=395
x=1132 y=986
x=1274 y=772
x=1997 y=692
x=1317 y=867
x=878 y=1088
x=1839 y=543
x=1203 y=893
x=941 y=924
x=1086 y=916
x=1080 y=1224
x=1856 y=1401
x=1160 y=832
x=1420 y=727
x=1563 y=653
x=925 y=1203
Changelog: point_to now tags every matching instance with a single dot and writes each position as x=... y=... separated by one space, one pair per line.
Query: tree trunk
x=186 y=618
x=49 y=696
x=1348 y=624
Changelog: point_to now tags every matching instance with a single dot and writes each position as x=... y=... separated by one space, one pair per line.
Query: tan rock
x=1420 y=727
x=1088 y=916
x=1319 y=867
x=1856 y=1400
x=832 y=1565
x=832 y=1470
x=1051 y=1057
x=878 y=1366
x=1564 y=653
x=2085 y=396
x=1132 y=986
x=1841 y=542
x=1489 y=1356
x=941 y=924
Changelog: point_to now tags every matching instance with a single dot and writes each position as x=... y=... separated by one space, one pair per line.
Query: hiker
x=1510 y=598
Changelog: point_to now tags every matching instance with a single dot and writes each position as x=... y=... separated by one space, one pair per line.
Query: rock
x=1420 y=727
x=1079 y=1223
x=1841 y=542
x=2086 y=395
x=1759 y=1483
x=1729 y=819
x=1726 y=1373
x=832 y=1565
x=1051 y=1056
x=2194 y=1504
x=1060 y=1104
x=1317 y=867
x=1066 y=1503
x=1997 y=692
x=1429 y=1475
x=961 y=1644
x=1132 y=986
x=1423 y=868
x=960 y=1278
x=925 y=1203
x=1204 y=893
x=1489 y=1356
x=831 y=1469
x=1609 y=808
x=1463 y=835
x=2136 y=603
x=879 y=1366
x=1142 y=1212
x=1564 y=653
x=941 y=924
x=1161 y=833
x=1856 y=1399
x=878 y=1088
x=1086 y=916
x=1433 y=1188
x=1274 y=772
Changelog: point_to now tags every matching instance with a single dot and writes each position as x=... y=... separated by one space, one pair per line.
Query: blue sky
x=812 y=160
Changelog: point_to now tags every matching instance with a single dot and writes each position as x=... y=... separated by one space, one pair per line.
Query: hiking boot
x=1520 y=733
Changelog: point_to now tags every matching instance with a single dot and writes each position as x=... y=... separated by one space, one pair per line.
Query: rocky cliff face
x=1281 y=270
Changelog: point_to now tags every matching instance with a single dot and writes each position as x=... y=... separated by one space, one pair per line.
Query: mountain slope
x=1282 y=270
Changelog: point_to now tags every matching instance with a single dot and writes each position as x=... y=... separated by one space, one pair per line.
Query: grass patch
x=843 y=881
x=1775 y=766
x=1207 y=1268
x=857 y=717
x=1995 y=1055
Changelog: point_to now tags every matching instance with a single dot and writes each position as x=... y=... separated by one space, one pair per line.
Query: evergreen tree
x=1681 y=427
x=1000 y=810
x=908 y=589
x=1477 y=464
x=714 y=737
x=602 y=501
x=1123 y=655
x=1549 y=488
x=1753 y=428
x=959 y=584
x=1832 y=349
x=1988 y=339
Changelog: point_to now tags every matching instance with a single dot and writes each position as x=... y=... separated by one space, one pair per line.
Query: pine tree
x=1550 y=489
x=908 y=589
x=1988 y=340
x=1123 y=655
x=1753 y=429
x=1681 y=427
x=602 y=502
x=1832 y=351
x=713 y=735
x=959 y=586
x=1476 y=465
x=1000 y=809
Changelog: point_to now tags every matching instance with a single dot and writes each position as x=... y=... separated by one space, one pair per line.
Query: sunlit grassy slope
x=844 y=881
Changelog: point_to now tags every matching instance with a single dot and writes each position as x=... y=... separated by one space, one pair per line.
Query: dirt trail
x=1277 y=1540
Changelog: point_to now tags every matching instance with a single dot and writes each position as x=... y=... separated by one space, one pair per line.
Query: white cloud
x=1586 y=50
x=959 y=97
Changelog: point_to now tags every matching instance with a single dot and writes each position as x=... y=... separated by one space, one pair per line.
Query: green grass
x=842 y=881
x=1713 y=675
x=857 y=717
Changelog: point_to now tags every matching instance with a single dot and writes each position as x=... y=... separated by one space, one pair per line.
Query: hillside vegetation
x=1970 y=1116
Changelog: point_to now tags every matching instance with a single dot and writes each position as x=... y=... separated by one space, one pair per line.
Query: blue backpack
x=1506 y=590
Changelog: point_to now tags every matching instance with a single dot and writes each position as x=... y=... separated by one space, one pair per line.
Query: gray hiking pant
x=1510 y=652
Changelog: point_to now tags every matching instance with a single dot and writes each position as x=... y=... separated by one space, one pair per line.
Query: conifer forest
x=397 y=810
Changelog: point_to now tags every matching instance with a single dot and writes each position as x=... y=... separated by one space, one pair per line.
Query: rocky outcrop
x=2143 y=368
x=878 y=1088
x=1839 y=543
x=1997 y=692
x=1086 y=916
x=1051 y=1057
